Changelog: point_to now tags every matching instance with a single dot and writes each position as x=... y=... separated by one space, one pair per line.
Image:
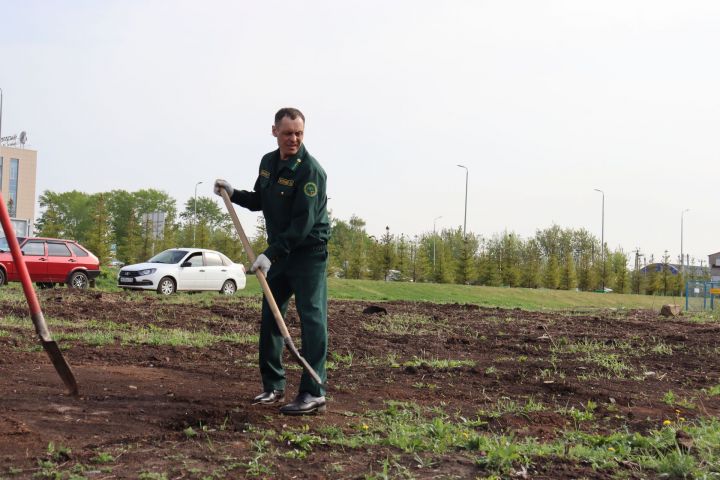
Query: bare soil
x=136 y=401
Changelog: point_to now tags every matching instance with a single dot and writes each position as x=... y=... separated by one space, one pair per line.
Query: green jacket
x=292 y=195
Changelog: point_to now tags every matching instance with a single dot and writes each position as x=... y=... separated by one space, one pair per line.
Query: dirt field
x=426 y=391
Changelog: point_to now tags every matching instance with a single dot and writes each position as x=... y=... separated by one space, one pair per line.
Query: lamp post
x=387 y=252
x=195 y=215
x=466 y=191
x=682 y=254
x=602 y=238
x=1 y=100
x=434 y=220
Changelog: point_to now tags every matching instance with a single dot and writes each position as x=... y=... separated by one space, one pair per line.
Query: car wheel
x=166 y=286
x=78 y=280
x=228 y=288
x=2 y=277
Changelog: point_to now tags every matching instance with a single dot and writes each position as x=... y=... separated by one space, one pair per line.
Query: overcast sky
x=543 y=101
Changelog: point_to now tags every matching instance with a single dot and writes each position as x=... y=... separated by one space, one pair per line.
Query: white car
x=188 y=269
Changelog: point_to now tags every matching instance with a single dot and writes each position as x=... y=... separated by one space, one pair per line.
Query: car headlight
x=147 y=271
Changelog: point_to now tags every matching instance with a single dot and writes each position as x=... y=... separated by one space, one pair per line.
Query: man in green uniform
x=291 y=192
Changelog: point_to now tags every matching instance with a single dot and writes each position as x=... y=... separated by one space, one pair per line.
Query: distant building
x=714 y=262
x=18 y=168
x=692 y=271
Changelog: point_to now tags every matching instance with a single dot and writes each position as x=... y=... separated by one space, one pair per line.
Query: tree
x=129 y=249
x=50 y=222
x=388 y=253
x=532 y=266
x=551 y=278
x=98 y=239
x=402 y=260
x=652 y=282
x=620 y=272
x=465 y=271
x=568 y=277
x=69 y=215
x=510 y=251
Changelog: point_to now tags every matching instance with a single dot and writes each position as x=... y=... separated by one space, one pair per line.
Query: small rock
x=132 y=387
x=684 y=440
x=670 y=310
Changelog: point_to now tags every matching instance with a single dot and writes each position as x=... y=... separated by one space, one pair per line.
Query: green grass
x=413 y=429
x=97 y=333
x=374 y=290
x=525 y=298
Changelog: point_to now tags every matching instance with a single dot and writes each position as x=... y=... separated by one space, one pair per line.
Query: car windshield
x=4 y=246
x=168 y=256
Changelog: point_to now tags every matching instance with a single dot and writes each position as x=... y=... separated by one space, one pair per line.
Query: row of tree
x=122 y=224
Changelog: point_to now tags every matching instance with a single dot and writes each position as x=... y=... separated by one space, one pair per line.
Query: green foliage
x=554 y=258
x=551 y=278
x=568 y=276
x=99 y=239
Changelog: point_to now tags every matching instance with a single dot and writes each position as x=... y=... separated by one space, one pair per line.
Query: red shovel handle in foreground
x=52 y=349
x=268 y=294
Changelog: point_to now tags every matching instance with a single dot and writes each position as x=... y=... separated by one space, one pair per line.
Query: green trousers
x=303 y=274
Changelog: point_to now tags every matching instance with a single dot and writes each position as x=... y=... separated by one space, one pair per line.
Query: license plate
x=125 y=280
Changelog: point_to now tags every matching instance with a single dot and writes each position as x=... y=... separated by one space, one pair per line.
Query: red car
x=51 y=261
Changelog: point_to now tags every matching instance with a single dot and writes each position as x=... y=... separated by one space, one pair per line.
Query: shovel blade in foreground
x=61 y=366
x=51 y=348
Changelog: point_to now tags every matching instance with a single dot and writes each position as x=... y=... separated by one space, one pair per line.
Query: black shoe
x=304 y=404
x=269 y=398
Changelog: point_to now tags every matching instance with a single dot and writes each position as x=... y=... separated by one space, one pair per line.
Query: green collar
x=293 y=162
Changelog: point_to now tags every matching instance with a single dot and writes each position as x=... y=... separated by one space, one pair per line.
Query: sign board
x=12 y=140
x=23 y=228
x=715 y=291
x=153 y=224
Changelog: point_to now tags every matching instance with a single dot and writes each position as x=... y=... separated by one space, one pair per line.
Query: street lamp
x=434 y=220
x=387 y=252
x=602 y=238
x=1 y=100
x=466 y=190
x=195 y=215
x=682 y=255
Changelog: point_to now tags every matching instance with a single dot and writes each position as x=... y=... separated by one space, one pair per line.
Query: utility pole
x=466 y=192
x=387 y=252
x=602 y=238
x=637 y=271
x=682 y=257
x=434 y=220
x=195 y=215
x=1 y=102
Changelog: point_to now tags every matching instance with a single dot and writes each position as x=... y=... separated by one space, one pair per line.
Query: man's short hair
x=290 y=112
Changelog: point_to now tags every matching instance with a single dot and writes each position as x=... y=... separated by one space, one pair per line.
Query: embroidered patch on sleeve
x=310 y=189
x=264 y=173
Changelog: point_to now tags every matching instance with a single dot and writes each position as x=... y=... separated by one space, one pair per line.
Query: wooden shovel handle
x=266 y=290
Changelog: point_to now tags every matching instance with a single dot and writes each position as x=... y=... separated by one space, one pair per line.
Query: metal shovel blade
x=61 y=366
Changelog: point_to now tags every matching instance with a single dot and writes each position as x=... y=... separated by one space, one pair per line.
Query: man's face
x=289 y=134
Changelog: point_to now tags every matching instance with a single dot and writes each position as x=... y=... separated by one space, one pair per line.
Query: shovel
x=268 y=294
x=51 y=348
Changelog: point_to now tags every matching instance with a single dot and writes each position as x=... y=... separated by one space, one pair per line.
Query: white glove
x=262 y=263
x=223 y=184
